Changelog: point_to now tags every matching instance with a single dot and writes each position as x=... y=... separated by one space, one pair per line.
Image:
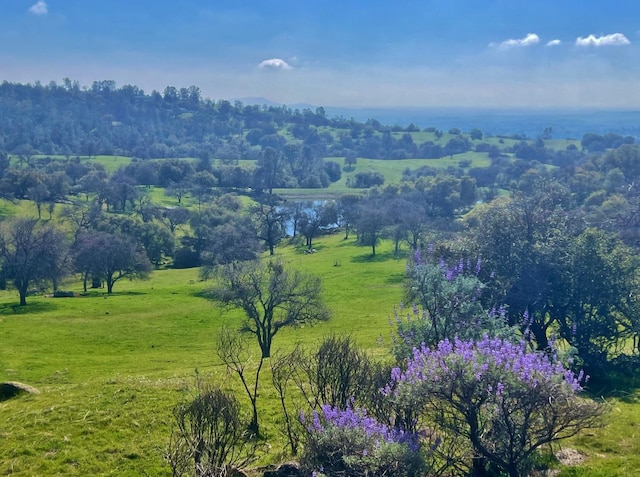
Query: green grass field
x=111 y=368
x=391 y=170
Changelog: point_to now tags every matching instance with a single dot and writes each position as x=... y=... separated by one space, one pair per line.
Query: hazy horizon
x=494 y=54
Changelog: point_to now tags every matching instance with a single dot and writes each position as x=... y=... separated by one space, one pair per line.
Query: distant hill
x=106 y=120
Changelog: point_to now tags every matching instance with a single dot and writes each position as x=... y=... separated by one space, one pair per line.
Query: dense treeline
x=105 y=119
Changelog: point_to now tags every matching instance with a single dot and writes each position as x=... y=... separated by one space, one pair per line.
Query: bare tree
x=373 y=217
x=285 y=371
x=210 y=437
x=272 y=297
x=233 y=351
x=269 y=218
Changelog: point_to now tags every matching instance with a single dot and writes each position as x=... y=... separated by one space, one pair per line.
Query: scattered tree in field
x=175 y=216
x=580 y=282
x=30 y=251
x=364 y=180
x=234 y=241
x=523 y=241
x=39 y=194
x=272 y=297
x=595 y=305
x=156 y=240
x=314 y=218
x=348 y=210
x=269 y=218
x=350 y=161
x=268 y=169
x=110 y=257
x=372 y=219
x=476 y=134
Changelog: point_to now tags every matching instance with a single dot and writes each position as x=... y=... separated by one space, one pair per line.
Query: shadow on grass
x=347 y=242
x=29 y=308
x=103 y=294
x=126 y=293
x=378 y=257
x=621 y=382
x=206 y=293
x=396 y=278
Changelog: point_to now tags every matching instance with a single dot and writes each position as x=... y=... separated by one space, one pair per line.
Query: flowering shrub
x=502 y=398
x=446 y=303
x=349 y=442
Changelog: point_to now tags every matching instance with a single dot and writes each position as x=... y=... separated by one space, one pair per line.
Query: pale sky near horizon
x=374 y=53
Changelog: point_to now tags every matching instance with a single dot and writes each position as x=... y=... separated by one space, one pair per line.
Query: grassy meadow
x=111 y=368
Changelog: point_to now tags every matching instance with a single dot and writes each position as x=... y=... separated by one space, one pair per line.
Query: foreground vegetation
x=110 y=369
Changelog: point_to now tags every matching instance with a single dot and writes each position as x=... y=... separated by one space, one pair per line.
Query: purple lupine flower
x=487 y=359
x=417 y=258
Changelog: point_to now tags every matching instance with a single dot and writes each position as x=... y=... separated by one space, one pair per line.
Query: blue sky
x=473 y=53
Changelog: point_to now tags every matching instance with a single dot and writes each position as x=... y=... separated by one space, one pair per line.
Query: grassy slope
x=391 y=170
x=111 y=368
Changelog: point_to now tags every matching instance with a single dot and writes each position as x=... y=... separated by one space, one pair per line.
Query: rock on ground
x=13 y=388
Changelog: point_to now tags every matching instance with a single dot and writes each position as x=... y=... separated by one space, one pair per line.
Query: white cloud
x=39 y=8
x=554 y=43
x=528 y=40
x=274 y=64
x=614 y=39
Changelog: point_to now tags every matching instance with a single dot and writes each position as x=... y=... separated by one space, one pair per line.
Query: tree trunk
x=479 y=468
x=253 y=425
x=23 y=296
x=513 y=470
x=540 y=334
